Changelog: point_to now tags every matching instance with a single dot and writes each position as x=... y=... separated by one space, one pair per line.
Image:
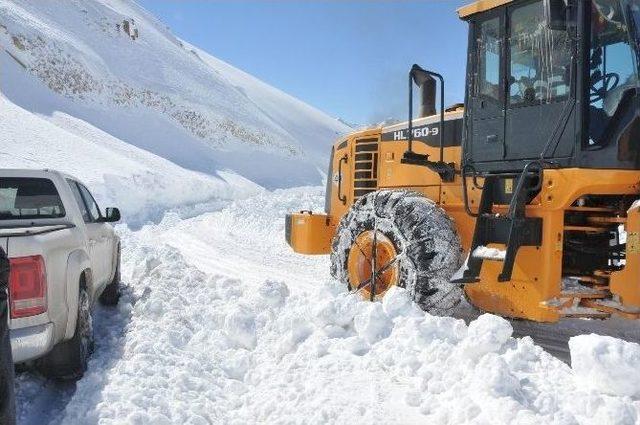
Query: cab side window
x=539 y=58
x=488 y=48
x=78 y=197
x=91 y=203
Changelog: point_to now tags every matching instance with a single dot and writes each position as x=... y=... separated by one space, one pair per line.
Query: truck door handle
x=342 y=198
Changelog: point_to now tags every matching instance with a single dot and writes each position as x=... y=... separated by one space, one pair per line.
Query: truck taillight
x=27 y=286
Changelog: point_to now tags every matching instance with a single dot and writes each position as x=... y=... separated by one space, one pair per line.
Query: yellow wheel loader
x=534 y=180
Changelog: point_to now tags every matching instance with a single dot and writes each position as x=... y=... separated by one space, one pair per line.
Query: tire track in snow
x=42 y=401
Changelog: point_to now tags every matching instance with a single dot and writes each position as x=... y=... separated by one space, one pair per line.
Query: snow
x=489 y=253
x=218 y=331
x=141 y=184
x=220 y=322
x=606 y=364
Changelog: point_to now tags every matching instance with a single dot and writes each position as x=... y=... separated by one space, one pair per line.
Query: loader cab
x=555 y=80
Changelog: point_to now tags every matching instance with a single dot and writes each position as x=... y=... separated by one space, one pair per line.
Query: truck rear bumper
x=31 y=342
x=309 y=233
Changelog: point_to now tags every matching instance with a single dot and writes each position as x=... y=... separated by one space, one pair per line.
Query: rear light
x=27 y=286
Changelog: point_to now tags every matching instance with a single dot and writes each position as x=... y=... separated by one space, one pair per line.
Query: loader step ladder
x=513 y=230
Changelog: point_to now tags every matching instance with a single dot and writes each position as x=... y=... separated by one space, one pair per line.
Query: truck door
x=100 y=236
x=539 y=69
x=90 y=231
x=94 y=233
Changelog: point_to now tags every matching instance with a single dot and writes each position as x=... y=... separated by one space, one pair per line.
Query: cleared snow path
x=223 y=324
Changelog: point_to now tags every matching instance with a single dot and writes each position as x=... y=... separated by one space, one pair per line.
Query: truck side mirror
x=555 y=12
x=111 y=215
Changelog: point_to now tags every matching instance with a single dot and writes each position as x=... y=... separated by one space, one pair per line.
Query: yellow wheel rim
x=360 y=264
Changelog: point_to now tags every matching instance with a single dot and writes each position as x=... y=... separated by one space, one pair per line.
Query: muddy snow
x=222 y=323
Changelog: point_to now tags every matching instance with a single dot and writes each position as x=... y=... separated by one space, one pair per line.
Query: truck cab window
x=79 y=201
x=488 y=45
x=612 y=71
x=29 y=198
x=92 y=205
x=540 y=58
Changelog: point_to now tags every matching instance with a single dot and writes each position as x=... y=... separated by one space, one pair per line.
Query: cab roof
x=479 y=6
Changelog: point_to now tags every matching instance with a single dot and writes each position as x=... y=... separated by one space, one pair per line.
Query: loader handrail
x=342 y=198
x=465 y=195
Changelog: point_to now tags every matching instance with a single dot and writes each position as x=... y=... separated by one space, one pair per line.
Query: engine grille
x=365 y=174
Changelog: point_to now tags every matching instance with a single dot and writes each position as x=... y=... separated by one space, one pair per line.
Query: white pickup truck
x=64 y=255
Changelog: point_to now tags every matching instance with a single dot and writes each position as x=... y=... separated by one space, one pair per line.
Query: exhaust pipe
x=428 y=97
x=426 y=80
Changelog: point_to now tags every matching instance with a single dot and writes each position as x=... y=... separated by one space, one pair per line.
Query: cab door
x=486 y=94
x=539 y=81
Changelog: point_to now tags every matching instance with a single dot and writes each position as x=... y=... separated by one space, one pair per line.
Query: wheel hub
x=370 y=245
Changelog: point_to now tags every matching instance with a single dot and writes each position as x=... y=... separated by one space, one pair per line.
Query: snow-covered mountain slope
x=113 y=66
x=142 y=184
x=223 y=324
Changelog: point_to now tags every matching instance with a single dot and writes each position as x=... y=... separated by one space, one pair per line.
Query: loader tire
x=413 y=235
x=68 y=360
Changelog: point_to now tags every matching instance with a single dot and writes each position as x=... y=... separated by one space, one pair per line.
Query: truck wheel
x=111 y=294
x=415 y=246
x=68 y=360
x=7 y=378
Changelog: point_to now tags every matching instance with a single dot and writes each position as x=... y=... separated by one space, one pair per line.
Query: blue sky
x=347 y=58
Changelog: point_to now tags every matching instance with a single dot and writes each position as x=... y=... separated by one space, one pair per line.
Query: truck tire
x=68 y=360
x=111 y=294
x=7 y=378
x=416 y=246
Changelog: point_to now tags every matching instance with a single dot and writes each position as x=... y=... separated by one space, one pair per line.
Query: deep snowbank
x=245 y=346
x=141 y=184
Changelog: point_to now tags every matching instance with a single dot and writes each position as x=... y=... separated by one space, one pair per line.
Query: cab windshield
x=613 y=65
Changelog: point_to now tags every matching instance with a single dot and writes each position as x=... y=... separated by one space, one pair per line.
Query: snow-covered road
x=222 y=323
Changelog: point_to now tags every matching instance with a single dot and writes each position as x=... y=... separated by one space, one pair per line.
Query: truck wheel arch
x=115 y=257
x=78 y=270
